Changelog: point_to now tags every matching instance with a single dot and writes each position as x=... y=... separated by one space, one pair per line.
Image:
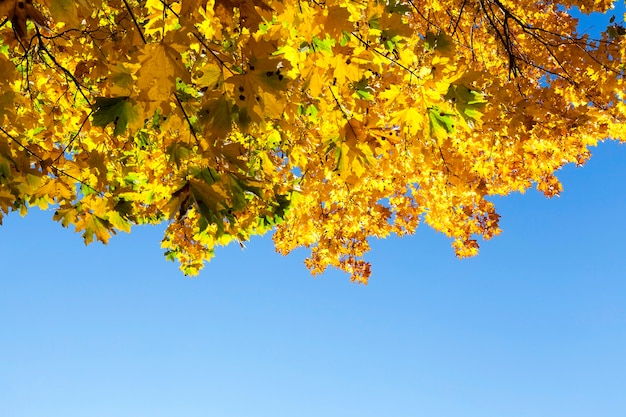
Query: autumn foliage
x=330 y=122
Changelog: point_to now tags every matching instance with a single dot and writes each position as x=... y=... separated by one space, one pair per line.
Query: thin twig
x=191 y=128
x=135 y=21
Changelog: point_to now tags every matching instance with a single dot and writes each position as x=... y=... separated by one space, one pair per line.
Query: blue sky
x=533 y=326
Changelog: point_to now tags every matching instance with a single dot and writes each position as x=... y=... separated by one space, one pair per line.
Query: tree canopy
x=330 y=122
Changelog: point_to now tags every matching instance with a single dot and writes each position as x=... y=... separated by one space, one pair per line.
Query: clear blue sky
x=534 y=326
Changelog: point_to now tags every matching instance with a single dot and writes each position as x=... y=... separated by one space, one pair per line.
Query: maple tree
x=330 y=122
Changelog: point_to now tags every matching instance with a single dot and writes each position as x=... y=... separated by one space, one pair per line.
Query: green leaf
x=87 y=190
x=117 y=221
x=468 y=103
x=178 y=153
x=209 y=175
x=363 y=89
x=117 y=110
x=323 y=44
x=615 y=31
x=214 y=196
x=441 y=123
x=365 y=95
x=440 y=42
x=374 y=22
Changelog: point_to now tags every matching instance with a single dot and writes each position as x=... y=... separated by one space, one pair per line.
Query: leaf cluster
x=327 y=122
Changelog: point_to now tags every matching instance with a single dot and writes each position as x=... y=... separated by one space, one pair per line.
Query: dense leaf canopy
x=330 y=122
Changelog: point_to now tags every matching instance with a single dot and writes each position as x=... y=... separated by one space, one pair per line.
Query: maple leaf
x=441 y=123
x=94 y=228
x=117 y=110
x=66 y=11
x=18 y=12
x=469 y=104
x=216 y=116
x=160 y=66
x=260 y=88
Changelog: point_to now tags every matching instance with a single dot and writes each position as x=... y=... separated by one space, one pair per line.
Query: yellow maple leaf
x=160 y=67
